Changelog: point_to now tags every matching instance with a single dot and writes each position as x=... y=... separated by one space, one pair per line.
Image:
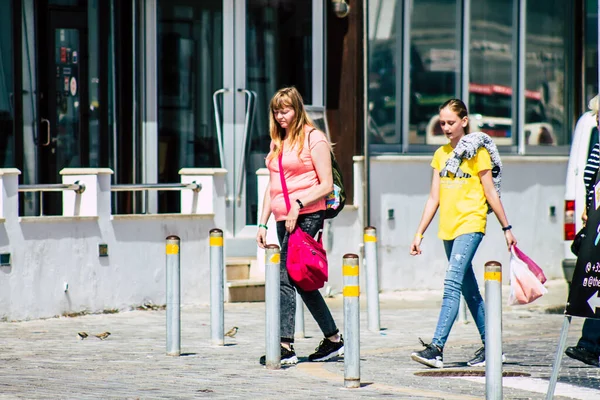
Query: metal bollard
x=173 y=297
x=493 y=330
x=372 y=267
x=272 y=305
x=299 y=319
x=217 y=321
x=351 y=321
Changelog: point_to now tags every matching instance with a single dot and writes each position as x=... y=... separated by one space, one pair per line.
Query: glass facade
x=590 y=50
x=434 y=65
x=490 y=56
x=546 y=95
x=436 y=61
x=73 y=82
x=278 y=53
x=7 y=112
x=190 y=70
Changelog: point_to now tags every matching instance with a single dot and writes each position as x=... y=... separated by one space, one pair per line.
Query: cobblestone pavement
x=45 y=359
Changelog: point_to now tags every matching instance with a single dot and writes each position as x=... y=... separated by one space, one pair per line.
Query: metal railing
x=53 y=187
x=77 y=187
x=138 y=187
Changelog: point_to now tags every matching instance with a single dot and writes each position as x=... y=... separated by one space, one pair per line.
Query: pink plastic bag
x=306 y=261
x=533 y=267
x=525 y=287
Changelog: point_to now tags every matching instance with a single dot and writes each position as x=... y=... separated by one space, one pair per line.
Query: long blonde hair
x=288 y=97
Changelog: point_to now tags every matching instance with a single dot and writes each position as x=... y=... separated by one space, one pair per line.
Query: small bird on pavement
x=103 y=335
x=232 y=332
x=82 y=335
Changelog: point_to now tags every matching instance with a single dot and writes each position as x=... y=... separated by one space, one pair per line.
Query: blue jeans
x=460 y=278
x=590 y=335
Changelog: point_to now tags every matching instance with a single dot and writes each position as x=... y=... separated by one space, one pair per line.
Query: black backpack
x=338 y=180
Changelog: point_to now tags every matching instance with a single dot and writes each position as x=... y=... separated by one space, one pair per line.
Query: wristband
x=300 y=204
x=507 y=228
x=419 y=235
x=263 y=226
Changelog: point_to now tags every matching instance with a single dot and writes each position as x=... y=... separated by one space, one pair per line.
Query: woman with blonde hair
x=304 y=154
x=463 y=189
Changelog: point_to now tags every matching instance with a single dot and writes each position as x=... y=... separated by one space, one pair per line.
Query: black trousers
x=311 y=224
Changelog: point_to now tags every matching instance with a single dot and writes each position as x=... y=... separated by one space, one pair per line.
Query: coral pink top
x=300 y=176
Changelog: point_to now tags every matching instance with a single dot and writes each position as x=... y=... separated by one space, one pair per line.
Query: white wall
x=47 y=252
x=530 y=186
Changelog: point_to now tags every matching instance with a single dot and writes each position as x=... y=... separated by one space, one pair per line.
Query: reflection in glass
x=94 y=84
x=384 y=36
x=278 y=53
x=29 y=203
x=66 y=59
x=190 y=70
x=434 y=66
x=491 y=66
x=546 y=98
x=7 y=136
x=591 y=50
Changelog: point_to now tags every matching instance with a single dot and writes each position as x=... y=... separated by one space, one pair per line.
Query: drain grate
x=468 y=372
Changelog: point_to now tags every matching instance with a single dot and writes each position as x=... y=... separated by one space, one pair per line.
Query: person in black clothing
x=588 y=346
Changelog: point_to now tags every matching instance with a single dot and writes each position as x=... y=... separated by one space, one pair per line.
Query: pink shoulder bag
x=306 y=258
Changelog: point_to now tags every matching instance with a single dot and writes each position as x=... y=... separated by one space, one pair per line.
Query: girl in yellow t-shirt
x=462 y=199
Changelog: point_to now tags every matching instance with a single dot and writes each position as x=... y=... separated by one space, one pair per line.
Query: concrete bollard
x=217 y=319
x=272 y=306
x=493 y=330
x=351 y=321
x=173 y=297
x=299 y=319
x=372 y=268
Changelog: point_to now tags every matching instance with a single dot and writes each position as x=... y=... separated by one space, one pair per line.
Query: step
x=237 y=268
x=247 y=290
x=244 y=282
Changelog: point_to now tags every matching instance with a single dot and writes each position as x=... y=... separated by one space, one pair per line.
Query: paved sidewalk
x=45 y=359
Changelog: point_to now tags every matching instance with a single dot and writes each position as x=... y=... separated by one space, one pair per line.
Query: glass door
x=62 y=126
x=266 y=45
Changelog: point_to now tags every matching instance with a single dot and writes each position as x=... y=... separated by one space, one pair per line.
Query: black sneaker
x=584 y=355
x=432 y=356
x=288 y=357
x=479 y=359
x=327 y=350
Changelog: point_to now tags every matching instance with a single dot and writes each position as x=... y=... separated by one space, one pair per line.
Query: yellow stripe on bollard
x=275 y=258
x=369 y=238
x=492 y=276
x=350 y=270
x=216 y=241
x=172 y=249
x=351 y=291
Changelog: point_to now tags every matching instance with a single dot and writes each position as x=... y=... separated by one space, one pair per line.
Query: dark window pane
x=7 y=137
x=545 y=80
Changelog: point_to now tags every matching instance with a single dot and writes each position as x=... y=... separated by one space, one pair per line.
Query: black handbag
x=576 y=245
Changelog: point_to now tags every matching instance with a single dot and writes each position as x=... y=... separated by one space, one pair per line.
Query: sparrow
x=103 y=335
x=232 y=332
x=82 y=335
